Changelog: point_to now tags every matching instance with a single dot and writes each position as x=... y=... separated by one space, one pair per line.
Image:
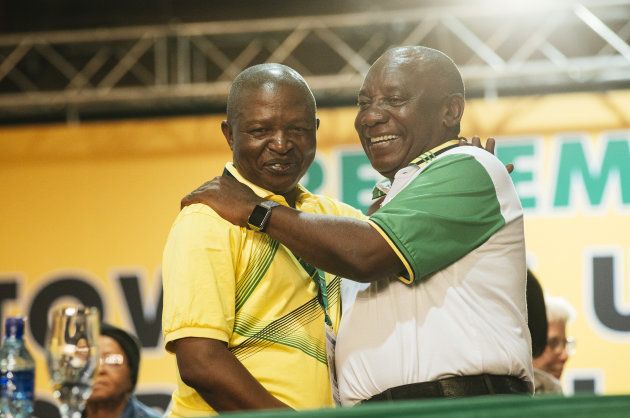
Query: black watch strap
x=260 y=215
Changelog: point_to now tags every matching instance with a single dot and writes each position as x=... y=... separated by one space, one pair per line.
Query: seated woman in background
x=115 y=380
x=549 y=365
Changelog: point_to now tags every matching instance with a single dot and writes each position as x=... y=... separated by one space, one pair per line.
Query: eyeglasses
x=558 y=345
x=111 y=360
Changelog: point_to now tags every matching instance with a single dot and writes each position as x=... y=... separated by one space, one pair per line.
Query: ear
x=227 y=132
x=454 y=110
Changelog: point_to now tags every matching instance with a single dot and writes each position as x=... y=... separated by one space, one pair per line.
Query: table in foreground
x=486 y=406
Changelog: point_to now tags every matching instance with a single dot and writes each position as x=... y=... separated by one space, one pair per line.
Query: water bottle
x=17 y=372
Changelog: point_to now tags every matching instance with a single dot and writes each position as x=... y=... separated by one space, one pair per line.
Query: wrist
x=260 y=215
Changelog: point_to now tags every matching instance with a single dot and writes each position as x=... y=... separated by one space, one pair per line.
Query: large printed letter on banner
x=595 y=173
x=607 y=284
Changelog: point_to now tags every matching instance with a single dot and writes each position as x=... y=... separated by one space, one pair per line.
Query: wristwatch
x=260 y=215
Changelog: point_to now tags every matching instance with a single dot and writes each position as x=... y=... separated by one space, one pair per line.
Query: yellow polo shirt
x=232 y=284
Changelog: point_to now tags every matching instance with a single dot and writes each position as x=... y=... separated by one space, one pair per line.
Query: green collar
x=383 y=186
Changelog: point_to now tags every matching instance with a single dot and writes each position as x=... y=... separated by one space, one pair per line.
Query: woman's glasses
x=111 y=360
x=558 y=345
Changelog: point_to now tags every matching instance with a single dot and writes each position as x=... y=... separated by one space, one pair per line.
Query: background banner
x=86 y=210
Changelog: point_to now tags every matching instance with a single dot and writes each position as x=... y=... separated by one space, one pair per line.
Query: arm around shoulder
x=344 y=246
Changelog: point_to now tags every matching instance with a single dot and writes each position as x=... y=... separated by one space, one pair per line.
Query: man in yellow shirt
x=245 y=317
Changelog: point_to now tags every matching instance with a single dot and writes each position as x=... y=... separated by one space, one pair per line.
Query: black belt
x=455 y=387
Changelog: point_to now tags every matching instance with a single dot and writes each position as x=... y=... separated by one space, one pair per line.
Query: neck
x=106 y=409
x=291 y=196
x=434 y=144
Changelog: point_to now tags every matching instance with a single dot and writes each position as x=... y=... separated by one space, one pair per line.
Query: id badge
x=331 y=341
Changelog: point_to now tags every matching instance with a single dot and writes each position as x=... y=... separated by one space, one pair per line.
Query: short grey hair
x=559 y=309
x=258 y=76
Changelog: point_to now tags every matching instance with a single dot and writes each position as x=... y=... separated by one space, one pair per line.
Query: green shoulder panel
x=448 y=210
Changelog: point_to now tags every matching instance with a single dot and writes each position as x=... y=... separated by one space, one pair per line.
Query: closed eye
x=298 y=129
x=363 y=104
x=395 y=101
x=257 y=131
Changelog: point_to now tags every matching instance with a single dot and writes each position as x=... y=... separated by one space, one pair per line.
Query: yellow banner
x=86 y=210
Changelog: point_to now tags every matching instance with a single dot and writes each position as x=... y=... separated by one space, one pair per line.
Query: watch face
x=258 y=216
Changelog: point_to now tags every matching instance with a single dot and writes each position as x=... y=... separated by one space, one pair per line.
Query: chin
x=98 y=396
x=385 y=168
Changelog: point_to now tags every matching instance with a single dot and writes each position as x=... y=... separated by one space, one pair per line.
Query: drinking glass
x=72 y=356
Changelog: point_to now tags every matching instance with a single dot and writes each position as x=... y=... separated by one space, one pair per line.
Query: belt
x=455 y=387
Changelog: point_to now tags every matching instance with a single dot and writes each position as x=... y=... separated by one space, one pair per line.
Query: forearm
x=236 y=389
x=338 y=245
x=343 y=246
x=220 y=379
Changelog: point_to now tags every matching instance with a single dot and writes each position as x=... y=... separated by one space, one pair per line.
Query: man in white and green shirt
x=463 y=311
x=441 y=311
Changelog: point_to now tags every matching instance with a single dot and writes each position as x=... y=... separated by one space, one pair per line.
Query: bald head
x=265 y=77
x=426 y=64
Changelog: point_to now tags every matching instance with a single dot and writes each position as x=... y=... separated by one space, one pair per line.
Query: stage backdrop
x=85 y=211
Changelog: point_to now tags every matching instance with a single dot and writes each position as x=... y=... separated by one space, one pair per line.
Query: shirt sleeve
x=198 y=276
x=447 y=211
x=329 y=206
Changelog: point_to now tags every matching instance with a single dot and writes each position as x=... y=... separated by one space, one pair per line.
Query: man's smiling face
x=273 y=135
x=399 y=115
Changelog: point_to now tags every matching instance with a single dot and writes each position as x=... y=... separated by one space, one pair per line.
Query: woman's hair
x=559 y=309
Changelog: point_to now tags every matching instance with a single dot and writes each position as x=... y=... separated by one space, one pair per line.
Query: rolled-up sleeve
x=198 y=276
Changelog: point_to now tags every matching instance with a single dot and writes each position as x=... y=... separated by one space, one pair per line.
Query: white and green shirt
x=456 y=223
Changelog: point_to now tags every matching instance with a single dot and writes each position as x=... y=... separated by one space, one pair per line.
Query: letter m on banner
x=580 y=168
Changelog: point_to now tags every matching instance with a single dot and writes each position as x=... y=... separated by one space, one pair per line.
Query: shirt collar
x=264 y=193
x=433 y=152
x=383 y=186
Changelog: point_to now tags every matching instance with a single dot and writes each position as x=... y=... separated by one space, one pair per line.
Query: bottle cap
x=14 y=327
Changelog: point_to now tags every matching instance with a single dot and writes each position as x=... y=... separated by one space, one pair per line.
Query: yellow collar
x=264 y=193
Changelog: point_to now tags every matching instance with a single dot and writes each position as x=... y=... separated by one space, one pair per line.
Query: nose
x=372 y=115
x=280 y=142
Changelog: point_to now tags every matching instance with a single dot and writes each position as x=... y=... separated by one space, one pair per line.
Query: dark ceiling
x=113 y=58
x=47 y=15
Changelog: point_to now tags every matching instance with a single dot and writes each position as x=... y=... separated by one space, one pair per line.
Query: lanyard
x=313 y=273
x=322 y=292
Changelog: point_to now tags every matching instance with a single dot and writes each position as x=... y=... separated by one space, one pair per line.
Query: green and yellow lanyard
x=314 y=274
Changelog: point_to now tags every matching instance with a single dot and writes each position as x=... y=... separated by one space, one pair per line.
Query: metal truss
x=500 y=49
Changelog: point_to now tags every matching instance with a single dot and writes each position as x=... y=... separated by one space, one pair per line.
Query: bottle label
x=18 y=385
